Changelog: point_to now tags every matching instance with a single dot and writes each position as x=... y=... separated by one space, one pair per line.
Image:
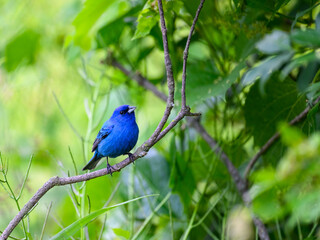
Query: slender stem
x=186 y=233
x=171 y=220
x=170 y=81
x=185 y=57
x=66 y=117
x=25 y=178
x=106 y=205
x=148 y=219
x=16 y=201
x=131 y=196
x=45 y=221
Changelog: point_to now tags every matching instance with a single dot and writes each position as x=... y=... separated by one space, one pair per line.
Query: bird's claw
x=110 y=168
x=131 y=157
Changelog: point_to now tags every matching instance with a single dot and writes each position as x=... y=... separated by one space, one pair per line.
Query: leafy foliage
x=253 y=66
x=22 y=49
x=292 y=187
x=280 y=102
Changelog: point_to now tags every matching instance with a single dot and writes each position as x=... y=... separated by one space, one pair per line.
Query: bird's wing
x=104 y=132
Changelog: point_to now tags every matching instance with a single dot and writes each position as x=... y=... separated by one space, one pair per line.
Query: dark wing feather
x=104 y=132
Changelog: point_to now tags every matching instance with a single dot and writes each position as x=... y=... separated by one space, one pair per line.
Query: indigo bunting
x=117 y=136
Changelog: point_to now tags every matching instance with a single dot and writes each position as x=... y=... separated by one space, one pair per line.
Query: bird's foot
x=110 y=169
x=131 y=157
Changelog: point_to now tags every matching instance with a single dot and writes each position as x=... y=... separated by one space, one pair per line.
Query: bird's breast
x=120 y=141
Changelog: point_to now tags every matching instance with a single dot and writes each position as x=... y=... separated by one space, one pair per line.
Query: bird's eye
x=122 y=112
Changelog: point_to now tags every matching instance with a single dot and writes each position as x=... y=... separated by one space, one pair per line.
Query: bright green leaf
x=175 y=6
x=148 y=17
x=111 y=32
x=290 y=136
x=21 y=49
x=267 y=205
x=93 y=14
x=304 y=206
x=121 y=232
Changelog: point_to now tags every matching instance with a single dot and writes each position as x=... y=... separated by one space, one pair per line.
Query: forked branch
x=141 y=151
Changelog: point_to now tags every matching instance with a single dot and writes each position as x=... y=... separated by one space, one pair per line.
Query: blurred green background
x=253 y=65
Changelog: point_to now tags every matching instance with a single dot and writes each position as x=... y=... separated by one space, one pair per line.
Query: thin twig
x=195 y=123
x=170 y=81
x=66 y=117
x=143 y=82
x=141 y=151
x=275 y=137
x=148 y=219
x=185 y=58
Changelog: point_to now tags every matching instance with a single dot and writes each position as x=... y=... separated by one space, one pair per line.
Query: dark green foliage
x=279 y=102
x=253 y=66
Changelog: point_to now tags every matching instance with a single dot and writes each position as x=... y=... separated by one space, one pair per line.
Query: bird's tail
x=93 y=162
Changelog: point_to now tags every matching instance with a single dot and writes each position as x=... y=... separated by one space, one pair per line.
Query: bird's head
x=124 y=112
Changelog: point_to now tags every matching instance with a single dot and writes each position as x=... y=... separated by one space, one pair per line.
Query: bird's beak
x=131 y=109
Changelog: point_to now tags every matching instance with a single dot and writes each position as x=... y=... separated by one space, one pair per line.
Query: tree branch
x=138 y=78
x=195 y=123
x=185 y=58
x=275 y=137
x=170 y=81
x=141 y=151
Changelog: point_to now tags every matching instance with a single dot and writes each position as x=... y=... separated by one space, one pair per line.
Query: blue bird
x=117 y=136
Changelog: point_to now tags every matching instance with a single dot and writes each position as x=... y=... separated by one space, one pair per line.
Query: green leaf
x=203 y=81
x=182 y=180
x=121 y=232
x=22 y=49
x=300 y=60
x=93 y=14
x=306 y=75
x=69 y=231
x=318 y=22
x=267 y=205
x=111 y=32
x=277 y=41
x=308 y=37
x=279 y=103
x=304 y=206
x=290 y=136
x=313 y=111
x=267 y=5
x=174 y=6
x=148 y=17
x=265 y=69
x=149 y=167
